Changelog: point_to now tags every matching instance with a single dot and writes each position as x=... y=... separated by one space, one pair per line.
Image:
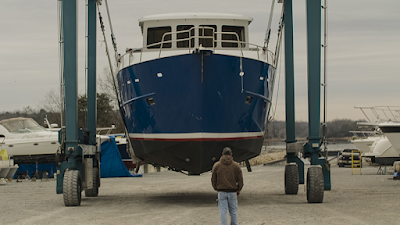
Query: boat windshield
x=21 y=125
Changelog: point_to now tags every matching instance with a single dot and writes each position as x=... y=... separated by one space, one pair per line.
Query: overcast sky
x=363 y=66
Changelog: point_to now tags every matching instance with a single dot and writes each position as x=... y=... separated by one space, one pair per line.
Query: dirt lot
x=173 y=198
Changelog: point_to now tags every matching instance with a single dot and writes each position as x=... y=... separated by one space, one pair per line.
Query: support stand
x=248 y=165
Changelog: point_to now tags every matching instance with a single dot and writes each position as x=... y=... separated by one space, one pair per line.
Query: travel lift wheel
x=72 y=188
x=315 y=184
x=94 y=192
x=291 y=179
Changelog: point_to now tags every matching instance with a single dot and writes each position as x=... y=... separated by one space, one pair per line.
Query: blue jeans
x=228 y=200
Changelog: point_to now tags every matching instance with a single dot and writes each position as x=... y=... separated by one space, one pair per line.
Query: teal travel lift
x=78 y=162
x=318 y=174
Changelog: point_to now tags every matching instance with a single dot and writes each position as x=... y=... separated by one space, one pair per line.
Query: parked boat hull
x=181 y=111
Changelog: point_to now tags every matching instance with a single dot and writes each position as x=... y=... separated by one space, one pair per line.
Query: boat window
x=155 y=34
x=21 y=125
x=208 y=31
x=184 y=35
x=232 y=37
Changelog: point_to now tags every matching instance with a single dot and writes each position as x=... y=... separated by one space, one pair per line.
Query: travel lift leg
x=80 y=171
x=294 y=169
x=318 y=175
x=92 y=96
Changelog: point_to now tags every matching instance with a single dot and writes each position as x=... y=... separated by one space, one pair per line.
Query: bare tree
x=105 y=85
x=106 y=91
x=52 y=102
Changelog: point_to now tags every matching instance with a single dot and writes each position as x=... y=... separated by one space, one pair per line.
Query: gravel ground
x=173 y=198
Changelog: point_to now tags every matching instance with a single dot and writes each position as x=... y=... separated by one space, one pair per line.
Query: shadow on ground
x=189 y=199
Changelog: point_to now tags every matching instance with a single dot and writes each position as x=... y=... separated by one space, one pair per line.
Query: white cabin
x=198 y=29
x=166 y=35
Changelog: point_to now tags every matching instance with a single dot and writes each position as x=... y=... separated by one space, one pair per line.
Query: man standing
x=227 y=179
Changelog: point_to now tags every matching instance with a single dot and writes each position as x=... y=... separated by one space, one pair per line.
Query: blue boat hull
x=181 y=111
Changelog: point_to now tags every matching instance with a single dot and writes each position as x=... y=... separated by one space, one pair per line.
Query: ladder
x=356 y=164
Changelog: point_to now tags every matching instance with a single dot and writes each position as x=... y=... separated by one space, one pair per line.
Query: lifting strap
x=268 y=32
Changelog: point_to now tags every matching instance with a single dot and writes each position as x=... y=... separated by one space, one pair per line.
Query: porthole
x=150 y=101
x=248 y=99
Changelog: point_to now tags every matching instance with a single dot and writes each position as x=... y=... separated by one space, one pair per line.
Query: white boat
x=383 y=152
x=365 y=139
x=29 y=143
x=25 y=137
x=387 y=118
x=392 y=132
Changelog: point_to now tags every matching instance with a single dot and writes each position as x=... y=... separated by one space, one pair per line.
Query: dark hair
x=227 y=151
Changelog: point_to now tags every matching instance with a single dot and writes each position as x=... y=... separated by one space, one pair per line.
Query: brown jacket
x=227 y=175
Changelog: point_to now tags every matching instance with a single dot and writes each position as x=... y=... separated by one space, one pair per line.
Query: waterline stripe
x=197 y=136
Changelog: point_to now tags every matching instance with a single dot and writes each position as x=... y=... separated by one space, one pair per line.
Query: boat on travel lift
x=196 y=86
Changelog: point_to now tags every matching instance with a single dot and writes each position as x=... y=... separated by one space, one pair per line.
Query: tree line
x=107 y=115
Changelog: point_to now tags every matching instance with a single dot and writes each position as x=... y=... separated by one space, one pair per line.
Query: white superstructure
x=166 y=35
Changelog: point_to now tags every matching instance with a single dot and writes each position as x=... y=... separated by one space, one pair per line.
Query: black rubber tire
x=94 y=192
x=72 y=188
x=315 y=184
x=291 y=179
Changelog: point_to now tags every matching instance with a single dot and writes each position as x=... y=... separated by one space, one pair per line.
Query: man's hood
x=226 y=159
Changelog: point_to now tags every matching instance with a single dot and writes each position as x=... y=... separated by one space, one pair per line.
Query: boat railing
x=194 y=37
x=241 y=44
x=360 y=134
x=381 y=114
